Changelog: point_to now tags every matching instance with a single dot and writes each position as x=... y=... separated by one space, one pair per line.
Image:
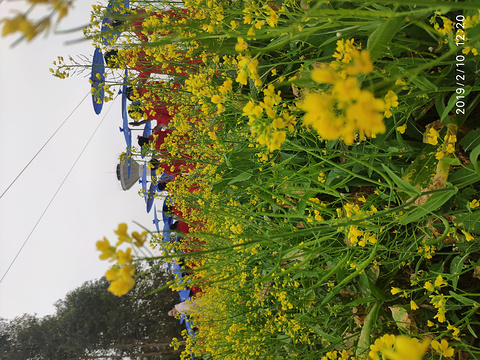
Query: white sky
x=60 y=255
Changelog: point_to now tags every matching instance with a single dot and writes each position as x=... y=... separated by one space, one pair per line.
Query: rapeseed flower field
x=325 y=163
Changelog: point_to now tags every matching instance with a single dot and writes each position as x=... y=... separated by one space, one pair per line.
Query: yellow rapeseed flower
x=474 y=204
x=468 y=236
x=217 y=99
x=122 y=234
x=401 y=129
x=455 y=330
x=391 y=100
x=381 y=344
x=241 y=45
x=124 y=257
x=346 y=91
x=139 y=238
x=428 y=286
x=442 y=348
x=395 y=290
x=431 y=136
x=121 y=278
x=440 y=282
x=277 y=139
x=362 y=63
x=19 y=23
x=319 y=115
x=439 y=155
x=108 y=251
x=324 y=75
x=367 y=116
x=407 y=348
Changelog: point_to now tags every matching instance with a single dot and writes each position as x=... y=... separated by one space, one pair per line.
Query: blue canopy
x=109 y=35
x=108 y=31
x=166 y=178
x=155 y=218
x=147 y=130
x=127 y=133
x=150 y=198
x=144 y=177
x=98 y=80
x=184 y=294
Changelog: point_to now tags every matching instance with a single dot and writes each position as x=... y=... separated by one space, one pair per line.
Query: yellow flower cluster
x=427 y=251
x=258 y=17
x=121 y=279
x=269 y=131
x=247 y=68
x=30 y=29
x=356 y=236
x=19 y=23
x=398 y=347
x=468 y=23
x=338 y=355
x=439 y=301
x=442 y=24
x=220 y=98
x=431 y=136
x=200 y=86
x=343 y=110
x=121 y=275
x=448 y=146
x=474 y=204
x=442 y=348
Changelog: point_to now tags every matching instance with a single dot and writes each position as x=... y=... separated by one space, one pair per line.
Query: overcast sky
x=60 y=254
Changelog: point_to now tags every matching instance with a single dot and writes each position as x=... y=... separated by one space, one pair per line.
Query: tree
x=92 y=323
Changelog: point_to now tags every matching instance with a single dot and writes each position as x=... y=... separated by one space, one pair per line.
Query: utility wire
x=55 y=195
x=38 y=152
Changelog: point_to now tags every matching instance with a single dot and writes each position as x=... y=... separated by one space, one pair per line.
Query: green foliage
x=334 y=149
x=90 y=321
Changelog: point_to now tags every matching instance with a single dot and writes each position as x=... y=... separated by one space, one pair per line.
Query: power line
x=38 y=152
x=55 y=195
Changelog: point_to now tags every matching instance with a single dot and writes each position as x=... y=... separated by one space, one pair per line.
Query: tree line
x=91 y=323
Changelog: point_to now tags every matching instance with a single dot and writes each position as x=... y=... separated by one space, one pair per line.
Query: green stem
x=362 y=267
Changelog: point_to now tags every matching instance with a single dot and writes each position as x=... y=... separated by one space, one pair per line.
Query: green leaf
x=471 y=330
x=464 y=177
x=456 y=268
x=451 y=161
x=420 y=172
x=439 y=104
x=402 y=184
x=422 y=83
x=471 y=140
x=284 y=338
x=370 y=321
x=368 y=287
x=380 y=38
x=462 y=299
x=469 y=221
x=332 y=338
x=361 y=301
x=242 y=177
x=451 y=103
x=474 y=158
x=400 y=315
x=433 y=203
